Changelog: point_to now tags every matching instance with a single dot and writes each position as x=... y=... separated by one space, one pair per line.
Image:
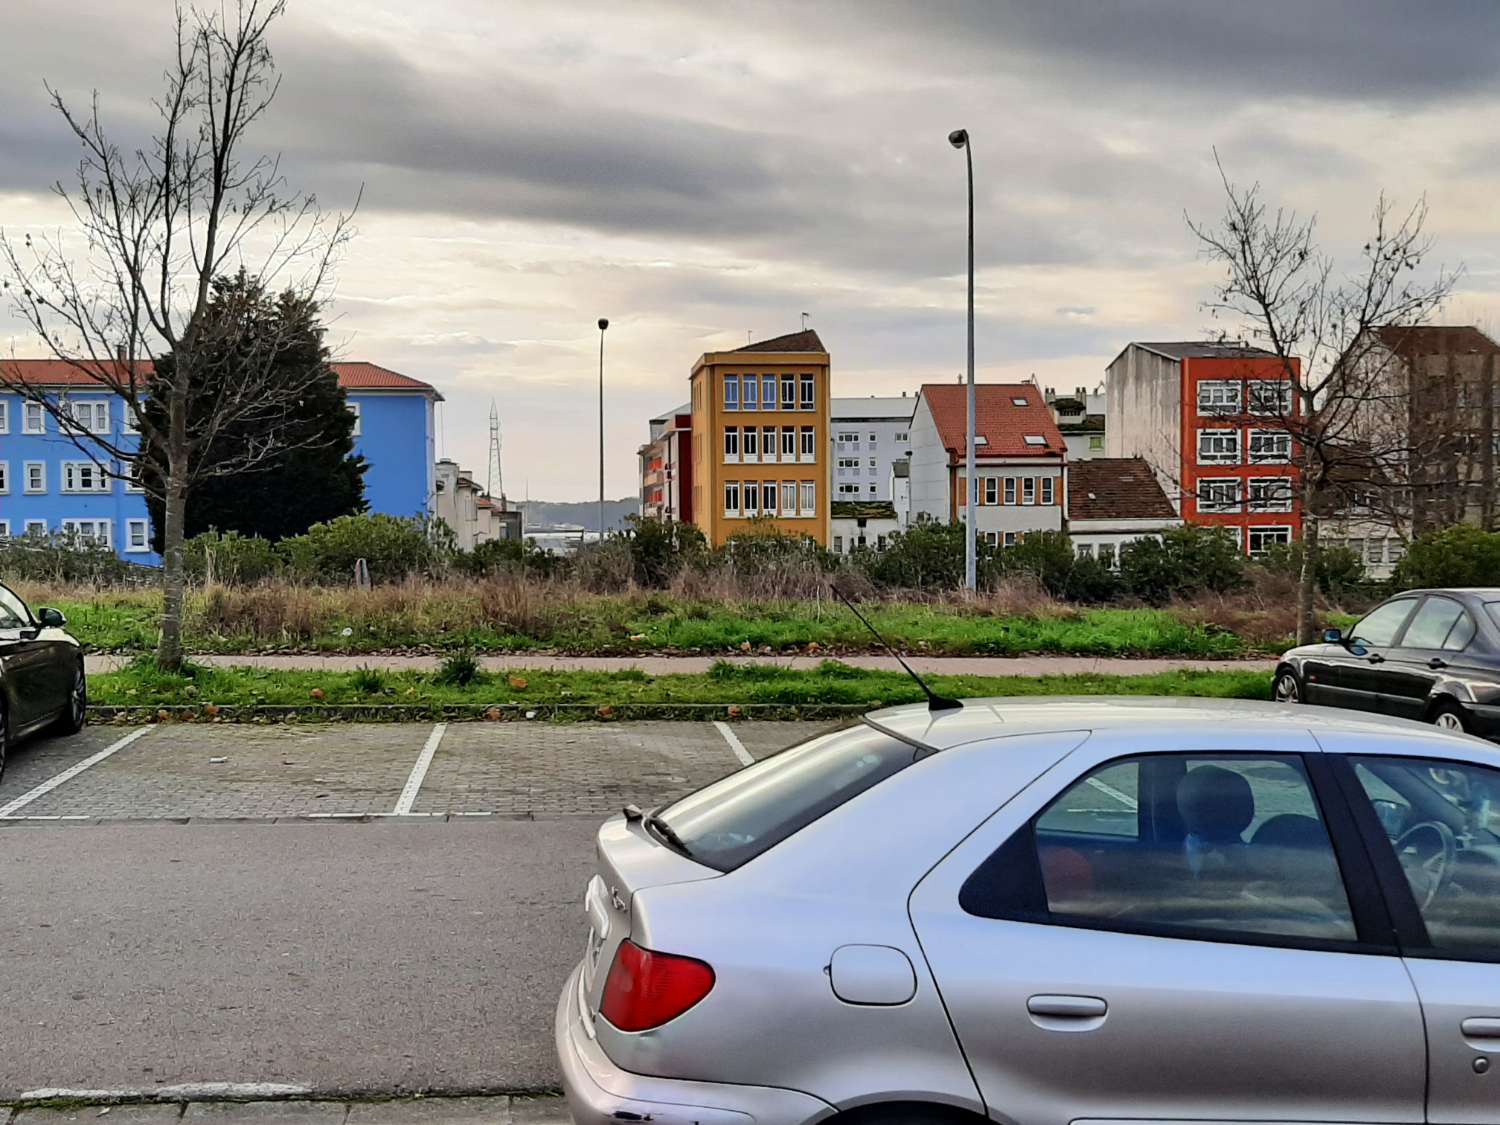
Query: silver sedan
x=1047 y=912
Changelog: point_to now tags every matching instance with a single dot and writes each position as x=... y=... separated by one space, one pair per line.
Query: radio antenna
x=935 y=702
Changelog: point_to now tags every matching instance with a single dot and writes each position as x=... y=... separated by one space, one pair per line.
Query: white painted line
x=413 y=785
x=8 y=811
x=735 y=744
x=1109 y=790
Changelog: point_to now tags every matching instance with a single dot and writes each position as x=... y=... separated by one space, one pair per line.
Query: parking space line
x=418 y=774
x=8 y=811
x=1110 y=791
x=735 y=744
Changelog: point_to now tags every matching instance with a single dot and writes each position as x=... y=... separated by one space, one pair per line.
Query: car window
x=1223 y=845
x=1381 y=624
x=1461 y=634
x=735 y=819
x=1443 y=821
x=1493 y=609
x=13 y=614
x=1432 y=623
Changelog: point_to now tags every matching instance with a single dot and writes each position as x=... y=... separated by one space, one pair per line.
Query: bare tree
x=1346 y=416
x=160 y=223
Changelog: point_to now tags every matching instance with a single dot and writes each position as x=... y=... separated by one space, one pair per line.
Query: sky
x=702 y=173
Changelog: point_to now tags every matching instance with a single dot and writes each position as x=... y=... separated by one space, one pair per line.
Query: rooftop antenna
x=494 y=479
x=935 y=702
x=747 y=336
x=804 y=322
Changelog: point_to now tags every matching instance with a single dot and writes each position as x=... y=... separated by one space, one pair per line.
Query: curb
x=474 y=712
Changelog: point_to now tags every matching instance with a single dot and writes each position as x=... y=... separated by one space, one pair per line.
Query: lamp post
x=959 y=138
x=603 y=324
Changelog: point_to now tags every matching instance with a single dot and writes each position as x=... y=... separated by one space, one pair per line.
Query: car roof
x=980 y=719
x=1486 y=593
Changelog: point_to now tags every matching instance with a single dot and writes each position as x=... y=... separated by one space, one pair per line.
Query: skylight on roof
x=1018 y=401
x=980 y=439
x=1035 y=439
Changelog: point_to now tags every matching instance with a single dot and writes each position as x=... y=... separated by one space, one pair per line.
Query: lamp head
x=958 y=138
x=603 y=323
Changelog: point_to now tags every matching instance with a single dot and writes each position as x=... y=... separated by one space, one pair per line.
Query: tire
x=1287 y=687
x=1448 y=715
x=76 y=714
x=4 y=739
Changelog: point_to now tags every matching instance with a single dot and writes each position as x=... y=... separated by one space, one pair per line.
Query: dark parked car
x=1432 y=655
x=41 y=673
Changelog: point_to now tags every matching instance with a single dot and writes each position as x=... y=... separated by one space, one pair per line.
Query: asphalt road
x=346 y=957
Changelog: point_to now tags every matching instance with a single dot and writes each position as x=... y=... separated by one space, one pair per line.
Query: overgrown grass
x=141 y=685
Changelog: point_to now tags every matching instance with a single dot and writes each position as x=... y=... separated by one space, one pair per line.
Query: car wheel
x=76 y=714
x=1288 y=688
x=4 y=739
x=1448 y=715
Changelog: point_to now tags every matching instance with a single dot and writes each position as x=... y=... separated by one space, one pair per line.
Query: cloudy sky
x=697 y=171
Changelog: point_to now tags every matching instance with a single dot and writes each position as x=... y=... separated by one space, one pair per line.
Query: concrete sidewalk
x=664 y=665
x=500 y=1110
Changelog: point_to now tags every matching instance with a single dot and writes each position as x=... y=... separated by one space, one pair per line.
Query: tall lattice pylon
x=494 y=483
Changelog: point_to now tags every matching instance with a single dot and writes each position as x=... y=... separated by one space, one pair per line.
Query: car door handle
x=1437 y=662
x=1481 y=1027
x=1067 y=1007
x=1375 y=658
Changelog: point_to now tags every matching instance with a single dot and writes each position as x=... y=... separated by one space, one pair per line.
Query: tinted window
x=13 y=613
x=1493 y=609
x=1432 y=623
x=1381 y=624
x=738 y=817
x=1229 y=845
x=1443 y=820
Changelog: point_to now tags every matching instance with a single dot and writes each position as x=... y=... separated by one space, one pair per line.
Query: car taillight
x=645 y=989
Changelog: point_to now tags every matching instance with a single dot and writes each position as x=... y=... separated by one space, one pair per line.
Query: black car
x=41 y=673
x=1432 y=655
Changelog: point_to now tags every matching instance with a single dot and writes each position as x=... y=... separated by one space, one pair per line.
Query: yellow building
x=760 y=439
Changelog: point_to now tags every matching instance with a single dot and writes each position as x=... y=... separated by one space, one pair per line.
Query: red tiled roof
x=1116 y=488
x=56 y=373
x=998 y=419
x=1412 y=341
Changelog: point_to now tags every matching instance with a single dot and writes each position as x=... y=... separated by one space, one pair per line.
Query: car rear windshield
x=730 y=822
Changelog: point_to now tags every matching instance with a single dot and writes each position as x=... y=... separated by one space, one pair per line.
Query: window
x=808 y=393
x=83 y=476
x=1218 y=396
x=1218 y=447
x=847 y=438
x=1380 y=626
x=874 y=438
x=1442 y=818
x=1010 y=539
x=768 y=392
x=131 y=482
x=900 y=438
x=1018 y=400
x=137 y=536
x=808 y=451
x=1262 y=539
x=788 y=444
x=838 y=544
x=789 y=498
x=1270 y=447
x=992 y=538
x=731 y=392
x=4 y=417
x=1107 y=554
x=808 y=505
x=872 y=466
x=4 y=477
x=1435 y=622
x=1270 y=494
x=1034 y=439
x=847 y=463
x=872 y=490
x=1010 y=490
x=731 y=445
x=1271 y=396
x=1247 y=853
x=33 y=418
x=749 y=446
x=768 y=497
x=731 y=497
x=359 y=419
x=1218 y=494
x=980 y=439
x=991 y=490
x=768 y=444
x=750 y=494
x=88 y=531
x=751 y=398
x=1096 y=442
x=1028 y=490
x=1084 y=550
x=788 y=392
x=36 y=527
x=1375 y=550
x=13 y=611
x=848 y=490
x=91 y=415
x=1048 y=494
x=36 y=476
x=4 y=529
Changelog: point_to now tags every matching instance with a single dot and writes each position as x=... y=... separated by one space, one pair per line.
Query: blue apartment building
x=48 y=485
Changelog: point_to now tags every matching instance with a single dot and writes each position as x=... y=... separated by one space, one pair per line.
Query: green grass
x=141 y=685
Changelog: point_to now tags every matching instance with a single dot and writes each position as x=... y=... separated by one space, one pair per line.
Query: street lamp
x=603 y=324
x=959 y=138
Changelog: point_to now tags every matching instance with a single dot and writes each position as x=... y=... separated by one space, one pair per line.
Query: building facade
x=1112 y=502
x=48 y=485
x=1020 y=459
x=1080 y=420
x=760 y=449
x=470 y=512
x=667 y=468
x=869 y=436
x=1210 y=419
x=862 y=523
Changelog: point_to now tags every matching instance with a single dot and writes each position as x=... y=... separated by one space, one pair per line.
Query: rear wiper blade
x=668 y=833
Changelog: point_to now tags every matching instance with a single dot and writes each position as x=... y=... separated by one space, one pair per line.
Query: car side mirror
x=1333 y=636
x=49 y=618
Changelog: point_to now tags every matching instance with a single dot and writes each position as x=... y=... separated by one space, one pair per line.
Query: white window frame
x=732 y=510
x=1280 y=504
x=1028 y=491
x=1034 y=439
x=71 y=472
x=1048 y=497
x=788 y=444
x=789 y=498
x=1009 y=539
x=768 y=403
x=355 y=408
x=807 y=448
x=732 y=381
x=991 y=491
x=848 y=490
x=768 y=487
x=731 y=438
x=95 y=415
x=75 y=527
x=750 y=389
x=1229 y=457
x=131 y=527
x=1252 y=531
x=750 y=436
x=26 y=486
x=768 y=445
x=1219 y=397
x=35 y=526
x=4 y=529
x=750 y=498
x=1011 y=493
x=1283 y=405
x=807 y=392
x=4 y=478
x=1280 y=437
x=847 y=438
x=4 y=416
x=1208 y=500
x=789 y=392
x=807 y=498
x=27 y=408
x=902 y=437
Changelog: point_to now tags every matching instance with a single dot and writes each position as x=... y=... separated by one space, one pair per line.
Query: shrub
x=368 y=681
x=1339 y=571
x=508 y=556
x=604 y=567
x=659 y=550
x=926 y=556
x=62 y=558
x=460 y=669
x=393 y=547
x=1184 y=561
x=1459 y=556
x=1091 y=581
x=1046 y=556
x=231 y=557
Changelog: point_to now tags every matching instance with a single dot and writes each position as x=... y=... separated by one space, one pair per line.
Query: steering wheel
x=1435 y=864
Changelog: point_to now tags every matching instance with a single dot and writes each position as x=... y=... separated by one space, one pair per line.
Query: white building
x=1080 y=418
x=1020 y=459
x=473 y=516
x=1113 y=501
x=869 y=435
x=901 y=490
x=861 y=523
